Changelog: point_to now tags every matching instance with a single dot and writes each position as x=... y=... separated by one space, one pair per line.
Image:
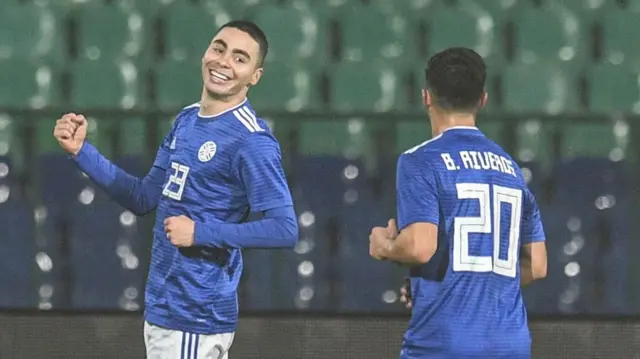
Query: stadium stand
x=341 y=89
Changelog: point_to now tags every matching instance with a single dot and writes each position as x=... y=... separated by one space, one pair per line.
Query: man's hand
x=180 y=230
x=405 y=294
x=71 y=131
x=381 y=238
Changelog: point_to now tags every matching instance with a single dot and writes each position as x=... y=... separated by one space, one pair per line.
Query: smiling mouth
x=218 y=77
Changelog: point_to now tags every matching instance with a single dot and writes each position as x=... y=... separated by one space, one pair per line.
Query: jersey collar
x=461 y=128
x=244 y=102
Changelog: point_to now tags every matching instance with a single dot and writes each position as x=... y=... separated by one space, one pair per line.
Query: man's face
x=230 y=64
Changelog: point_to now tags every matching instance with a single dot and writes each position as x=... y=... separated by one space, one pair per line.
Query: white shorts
x=164 y=343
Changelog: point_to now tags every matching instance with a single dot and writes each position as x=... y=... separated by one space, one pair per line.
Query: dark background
x=285 y=336
x=341 y=93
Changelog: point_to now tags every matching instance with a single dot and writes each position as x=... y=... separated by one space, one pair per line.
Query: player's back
x=468 y=302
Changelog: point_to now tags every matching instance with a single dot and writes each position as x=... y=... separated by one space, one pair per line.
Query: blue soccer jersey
x=214 y=170
x=219 y=169
x=467 y=298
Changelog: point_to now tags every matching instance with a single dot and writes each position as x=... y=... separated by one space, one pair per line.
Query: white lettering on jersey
x=486 y=161
x=178 y=178
x=466 y=159
x=493 y=162
x=207 y=151
x=463 y=261
x=448 y=161
x=474 y=159
x=173 y=143
x=508 y=166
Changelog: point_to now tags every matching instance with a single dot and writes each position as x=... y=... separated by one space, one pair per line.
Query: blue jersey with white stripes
x=219 y=168
x=467 y=298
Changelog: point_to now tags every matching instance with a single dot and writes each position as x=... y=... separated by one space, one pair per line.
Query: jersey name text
x=483 y=161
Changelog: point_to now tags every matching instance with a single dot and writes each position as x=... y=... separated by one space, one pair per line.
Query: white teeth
x=218 y=75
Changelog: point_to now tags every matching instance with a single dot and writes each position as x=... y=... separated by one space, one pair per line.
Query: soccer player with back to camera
x=467 y=225
x=219 y=163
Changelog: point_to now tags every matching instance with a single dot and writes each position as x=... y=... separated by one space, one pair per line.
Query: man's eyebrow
x=221 y=42
x=235 y=51
x=241 y=52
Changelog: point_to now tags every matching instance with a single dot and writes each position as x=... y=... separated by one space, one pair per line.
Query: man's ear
x=426 y=98
x=483 y=99
x=257 y=75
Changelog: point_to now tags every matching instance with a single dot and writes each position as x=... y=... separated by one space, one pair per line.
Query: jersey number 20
x=489 y=212
x=175 y=185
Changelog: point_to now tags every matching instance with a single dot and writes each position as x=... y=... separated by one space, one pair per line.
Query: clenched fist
x=71 y=131
x=180 y=230
x=381 y=238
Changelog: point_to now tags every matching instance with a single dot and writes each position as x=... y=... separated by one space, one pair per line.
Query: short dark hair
x=255 y=32
x=456 y=78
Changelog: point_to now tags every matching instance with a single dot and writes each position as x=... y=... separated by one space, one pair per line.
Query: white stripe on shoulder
x=244 y=121
x=414 y=149
x=251 y=118
x=197 y=104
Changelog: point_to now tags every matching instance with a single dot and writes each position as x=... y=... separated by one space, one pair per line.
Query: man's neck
x=210 y=106
x=452 y=120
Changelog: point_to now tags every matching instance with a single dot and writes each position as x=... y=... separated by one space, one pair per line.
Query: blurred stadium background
x=341 y=92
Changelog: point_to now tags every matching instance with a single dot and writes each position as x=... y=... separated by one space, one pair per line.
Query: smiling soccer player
x=219 y=163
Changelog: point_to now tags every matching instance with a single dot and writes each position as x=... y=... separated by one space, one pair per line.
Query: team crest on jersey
x=207 y=151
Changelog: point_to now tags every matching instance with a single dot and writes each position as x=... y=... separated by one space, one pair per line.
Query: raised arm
x=258 y=166
x=139 y=195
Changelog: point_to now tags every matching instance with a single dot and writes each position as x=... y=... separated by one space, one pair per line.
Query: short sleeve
x=417 y=192
x=531 y=226
x=258 y=166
